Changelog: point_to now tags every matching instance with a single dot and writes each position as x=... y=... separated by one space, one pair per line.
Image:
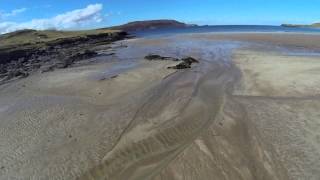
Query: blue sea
x=226 y=29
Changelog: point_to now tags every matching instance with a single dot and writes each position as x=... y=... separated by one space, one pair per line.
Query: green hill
x=315 y=25
x=33 y=37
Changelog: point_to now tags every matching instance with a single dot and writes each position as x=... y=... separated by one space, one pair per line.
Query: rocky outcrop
x=21 y=60
x=185 y=64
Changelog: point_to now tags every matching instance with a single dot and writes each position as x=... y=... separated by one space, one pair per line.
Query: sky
x=87 y=14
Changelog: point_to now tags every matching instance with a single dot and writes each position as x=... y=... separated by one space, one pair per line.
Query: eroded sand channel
x=225 y=118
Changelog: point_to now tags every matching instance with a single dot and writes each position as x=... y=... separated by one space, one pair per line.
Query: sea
x=226 y=29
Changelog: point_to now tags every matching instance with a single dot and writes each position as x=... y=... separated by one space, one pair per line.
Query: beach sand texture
x=248 y=110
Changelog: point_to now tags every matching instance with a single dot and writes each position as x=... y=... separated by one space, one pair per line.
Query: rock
x=183 y=65
x=3 y=75
x=47 y=68
x=2 y=69
x=35 y=66
x=187 y=62
x=154 y=57
x=151 y=57
x=64 y=63
x=84 y=55
x=114 y=76
x=190 y=60
x=17 y=73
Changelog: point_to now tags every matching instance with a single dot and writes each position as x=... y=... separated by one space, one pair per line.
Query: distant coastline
x=151 y=25
x=315 y=25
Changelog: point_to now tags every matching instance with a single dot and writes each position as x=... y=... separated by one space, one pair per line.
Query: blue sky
x=79 y=14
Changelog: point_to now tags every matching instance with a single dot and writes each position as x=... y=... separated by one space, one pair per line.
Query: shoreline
x=308 y=41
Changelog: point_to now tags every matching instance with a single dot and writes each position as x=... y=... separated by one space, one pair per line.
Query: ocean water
x=225 y=28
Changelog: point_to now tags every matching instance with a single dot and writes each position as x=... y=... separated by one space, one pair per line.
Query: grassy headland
x=23 y=52
x=315 y=25
x=32 y=37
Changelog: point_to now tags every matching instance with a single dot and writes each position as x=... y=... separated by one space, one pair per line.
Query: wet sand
x=249 y=110
x=293 y=40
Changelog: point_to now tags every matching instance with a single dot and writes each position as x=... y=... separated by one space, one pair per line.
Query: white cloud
x=13 y=13
x=73 y=19
x=5 y=26
x=16 y=12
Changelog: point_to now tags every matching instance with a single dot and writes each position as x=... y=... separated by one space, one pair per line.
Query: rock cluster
x=186 y=62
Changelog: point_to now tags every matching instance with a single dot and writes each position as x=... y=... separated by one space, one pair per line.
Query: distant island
x=152 y=24
x=315 y=25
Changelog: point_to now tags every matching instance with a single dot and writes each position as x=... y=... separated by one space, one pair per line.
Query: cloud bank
x=74 y=19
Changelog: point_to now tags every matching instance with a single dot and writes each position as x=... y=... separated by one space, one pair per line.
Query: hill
x=152 y=24
x=315 y=25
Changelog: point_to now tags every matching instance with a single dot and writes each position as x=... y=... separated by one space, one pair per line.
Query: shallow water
x=113 y=70
x=225 y=29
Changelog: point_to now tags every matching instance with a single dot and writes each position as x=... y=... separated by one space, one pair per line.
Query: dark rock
x=64 y=63
x=84 y=55
x=3 y=69
x=154 y=57
x=35 y=66
x=190 y=60
x=11 y=55
x=182 y=65
x=115 y=76
x=187 y=62
x=47 y=68
x=17 y=73
x=151 y=57
x=3 y=75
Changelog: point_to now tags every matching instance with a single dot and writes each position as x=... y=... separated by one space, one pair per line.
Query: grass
x=316 y=25
x=29 y=37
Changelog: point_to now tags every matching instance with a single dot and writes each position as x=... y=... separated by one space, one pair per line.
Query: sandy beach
x=248 y=110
